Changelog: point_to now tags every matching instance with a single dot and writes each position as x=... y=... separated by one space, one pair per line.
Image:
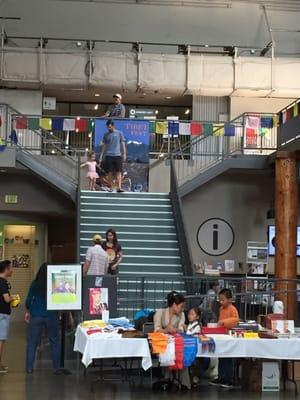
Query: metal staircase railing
x=206 y=151
x=40 y=148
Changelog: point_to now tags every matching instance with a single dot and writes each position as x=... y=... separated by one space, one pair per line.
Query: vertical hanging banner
x=137 y=137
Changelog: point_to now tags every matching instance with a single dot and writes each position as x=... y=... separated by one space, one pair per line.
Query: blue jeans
x=34 y=333
x=225 y=370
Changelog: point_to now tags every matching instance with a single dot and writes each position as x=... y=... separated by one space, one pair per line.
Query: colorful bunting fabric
x=21 y=123
x=251 y=137
x=0 y=121
x=69 y=124
x=33 y=123
x=81 y=125
x=46 y=123
x=2 y=144
x=218 y=130
x=229 y=130
x=276 y=120
x=264 y=132
x=253 y=122
x=289 y=114
x=196 y=129
x=161 y=127
x=57 y=124
x=91 y=125
x=266 y=122
x=208 y=128
x=152 y=126
x=173 y=128
x=184 y=128
x=284 y=117
x=295 y=110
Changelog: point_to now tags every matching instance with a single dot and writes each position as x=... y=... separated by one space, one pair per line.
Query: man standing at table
x=96 y=260
x=114 y=148
x=117 y=110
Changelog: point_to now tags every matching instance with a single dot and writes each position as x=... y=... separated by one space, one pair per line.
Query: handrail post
x=78 y=210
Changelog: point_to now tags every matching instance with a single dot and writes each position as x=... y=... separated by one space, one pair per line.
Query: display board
x=64 y=287
x=99 y=297
x=137 y=137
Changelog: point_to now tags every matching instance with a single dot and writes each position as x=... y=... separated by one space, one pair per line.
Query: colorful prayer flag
x=161 y=128
x=46 y=123
x=229 y=130
x=253 y=122
x=69 y=124
x=208 y=129
x=184 y=128
x=91 y=125
x=57 y=124
x=266 y=122
x=218 y=130
x=81 y=125
x=173 y=128
x=251 y=137
x=21 y=123
x=152 y=126
x=295 y=110
x=33 y=123
x=196 y=129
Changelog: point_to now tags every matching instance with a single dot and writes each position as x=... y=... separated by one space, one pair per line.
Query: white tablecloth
x=93 y=347
x=280 y=349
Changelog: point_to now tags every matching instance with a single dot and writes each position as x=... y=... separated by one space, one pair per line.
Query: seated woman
x=172 y=320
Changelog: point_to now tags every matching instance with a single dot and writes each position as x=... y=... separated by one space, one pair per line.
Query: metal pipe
x=269 y=29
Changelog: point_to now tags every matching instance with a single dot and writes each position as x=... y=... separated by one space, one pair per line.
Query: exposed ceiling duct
x=174 y=75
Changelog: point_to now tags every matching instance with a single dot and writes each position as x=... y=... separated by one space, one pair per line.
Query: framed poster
x=64 y=287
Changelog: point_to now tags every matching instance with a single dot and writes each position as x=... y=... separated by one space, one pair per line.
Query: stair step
x=144 y=251
x=136 y=229
x=123 y=207
x=119 y=214
x=87 y=194
x=136 y=221
x=138 y=243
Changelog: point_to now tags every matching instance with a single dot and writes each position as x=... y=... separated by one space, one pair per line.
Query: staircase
x=145 y=226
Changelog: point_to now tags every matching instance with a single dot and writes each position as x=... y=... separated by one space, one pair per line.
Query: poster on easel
x=64 y=287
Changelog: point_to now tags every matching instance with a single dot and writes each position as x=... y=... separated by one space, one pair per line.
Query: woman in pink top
x=92 y=174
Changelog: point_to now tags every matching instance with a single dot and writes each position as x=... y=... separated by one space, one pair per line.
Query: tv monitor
x=271 y=240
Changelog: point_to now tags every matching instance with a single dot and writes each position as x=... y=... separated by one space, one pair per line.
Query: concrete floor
x=43 y=385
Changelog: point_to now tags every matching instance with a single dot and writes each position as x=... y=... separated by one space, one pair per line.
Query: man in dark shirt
x=5 y=309
x=114 y=148
x=117 y=110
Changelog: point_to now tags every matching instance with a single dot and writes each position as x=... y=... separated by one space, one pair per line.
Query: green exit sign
x=11 y=199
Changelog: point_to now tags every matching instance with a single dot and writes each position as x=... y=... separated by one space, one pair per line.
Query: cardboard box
x=270 y=377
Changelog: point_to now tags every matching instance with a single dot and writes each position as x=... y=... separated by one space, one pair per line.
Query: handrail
x=184 y=245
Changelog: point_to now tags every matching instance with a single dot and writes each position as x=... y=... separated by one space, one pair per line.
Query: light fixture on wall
x=156 y=112
x=97 y=94
x=168 y=97
x=187 y=111
x=96 y=106
x=78 y=44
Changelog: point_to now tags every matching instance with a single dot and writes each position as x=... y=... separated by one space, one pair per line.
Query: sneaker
x=216 y=382
x=3 y=370
x=226 y=385
x=120 y=191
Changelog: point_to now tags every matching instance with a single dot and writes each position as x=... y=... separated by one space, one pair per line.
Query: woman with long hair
x=172 y=320
x=38 y=318
x=113 y=250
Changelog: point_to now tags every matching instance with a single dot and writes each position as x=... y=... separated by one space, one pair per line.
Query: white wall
x=25 y=101
x=239 y=105
x=243 y=201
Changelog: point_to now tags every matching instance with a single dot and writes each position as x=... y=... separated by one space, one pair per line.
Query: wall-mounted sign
x=49 y=103
x=215 y=237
